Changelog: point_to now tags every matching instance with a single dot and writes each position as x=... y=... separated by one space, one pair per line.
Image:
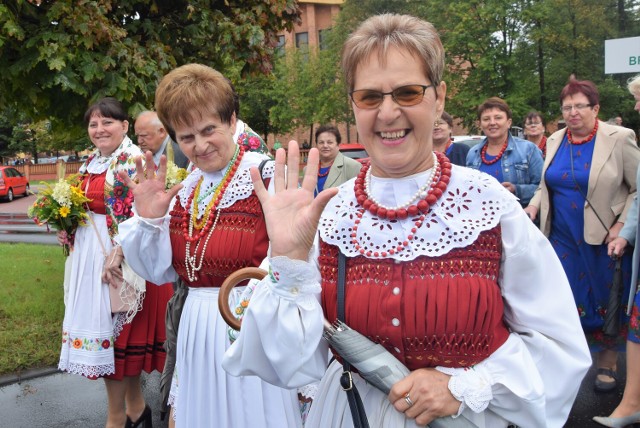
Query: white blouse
x=146 y=242
x=531 y=380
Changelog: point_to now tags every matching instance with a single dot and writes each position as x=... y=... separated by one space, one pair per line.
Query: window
x=323 y=38
x=302 y=40
x=280 y=45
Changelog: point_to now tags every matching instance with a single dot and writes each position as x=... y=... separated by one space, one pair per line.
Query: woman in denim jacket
x=514 y=162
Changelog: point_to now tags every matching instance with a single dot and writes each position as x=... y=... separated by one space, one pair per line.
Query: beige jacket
x=612 y=181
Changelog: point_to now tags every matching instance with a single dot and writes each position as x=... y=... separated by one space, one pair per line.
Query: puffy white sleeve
x=534 y=377
x=147 y=248
x=281 y=335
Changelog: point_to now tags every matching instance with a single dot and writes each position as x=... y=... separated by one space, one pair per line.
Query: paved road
x=16 y=227
x=63 y=400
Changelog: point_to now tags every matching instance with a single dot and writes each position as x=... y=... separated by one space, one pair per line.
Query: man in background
x=153 y=136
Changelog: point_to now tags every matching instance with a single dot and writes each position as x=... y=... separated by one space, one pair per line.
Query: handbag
x=128 y=297
x=358 y=413
x=125 y=298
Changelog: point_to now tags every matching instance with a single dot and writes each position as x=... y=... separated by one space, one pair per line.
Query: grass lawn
x=31 y=306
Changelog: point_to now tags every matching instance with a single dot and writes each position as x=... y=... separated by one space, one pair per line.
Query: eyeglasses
x=578 y=107
x=533 y=124
x=405 y=96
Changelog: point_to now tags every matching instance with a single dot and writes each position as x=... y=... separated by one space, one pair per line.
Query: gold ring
x=407 y=399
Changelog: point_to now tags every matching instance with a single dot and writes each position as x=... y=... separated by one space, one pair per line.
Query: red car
x=12 y=183
x=354 y=151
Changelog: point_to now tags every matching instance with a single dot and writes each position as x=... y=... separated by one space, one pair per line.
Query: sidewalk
x=50 y=399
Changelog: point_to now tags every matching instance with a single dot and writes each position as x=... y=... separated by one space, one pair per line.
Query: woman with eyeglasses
x=628 y=410
x=442 y=142
x=534 y=128
x=587 y=188
x=514 y=162
x=442 y=266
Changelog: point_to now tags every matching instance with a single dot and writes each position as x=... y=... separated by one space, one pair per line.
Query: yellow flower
x=64 y=211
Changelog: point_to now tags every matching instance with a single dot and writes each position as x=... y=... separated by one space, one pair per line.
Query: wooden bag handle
x=225 y=290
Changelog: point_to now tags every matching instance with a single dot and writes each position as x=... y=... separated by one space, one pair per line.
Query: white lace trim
x=87 y=370
x=309 y=391
x=470 y=386
x=119 y=320
x=473 y=202
x=240 y=187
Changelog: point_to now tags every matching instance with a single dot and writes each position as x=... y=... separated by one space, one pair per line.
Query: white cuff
x=471 y=386
x=290 y=278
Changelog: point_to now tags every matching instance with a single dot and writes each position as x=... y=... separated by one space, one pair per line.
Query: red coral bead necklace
x=586 y=140
x=324 y=174
x=483 y=152
x=436 y=185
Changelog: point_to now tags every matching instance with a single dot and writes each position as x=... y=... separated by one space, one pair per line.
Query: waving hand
x=151 y=199
x=292 y=214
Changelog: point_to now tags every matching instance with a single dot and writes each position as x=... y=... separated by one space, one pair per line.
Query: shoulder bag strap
x=346 y=380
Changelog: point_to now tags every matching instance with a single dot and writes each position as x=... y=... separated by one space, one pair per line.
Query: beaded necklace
x=436 y=185
x=449 y=144
x=324 y=174
x=483 y=153
x=543 y=146
x=206 y=225
x=586 y=140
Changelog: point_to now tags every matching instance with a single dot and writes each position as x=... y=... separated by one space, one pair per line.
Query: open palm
x=291 y=213
x=151 y=199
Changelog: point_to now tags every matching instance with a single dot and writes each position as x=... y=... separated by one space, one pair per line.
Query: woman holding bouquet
x=442 y=266
x=95 y=342
x=201 y=232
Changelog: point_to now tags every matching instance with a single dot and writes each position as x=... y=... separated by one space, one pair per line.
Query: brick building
x=317 y=19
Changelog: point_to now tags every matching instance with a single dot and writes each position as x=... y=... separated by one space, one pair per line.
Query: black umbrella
x=172 y=320
x=611 y=325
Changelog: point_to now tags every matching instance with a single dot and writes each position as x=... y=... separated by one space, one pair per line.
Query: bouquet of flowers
x=175 y=175
x=61 y=206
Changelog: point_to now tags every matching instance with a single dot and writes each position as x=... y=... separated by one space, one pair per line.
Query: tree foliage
x=521 y=51
x=57 y=56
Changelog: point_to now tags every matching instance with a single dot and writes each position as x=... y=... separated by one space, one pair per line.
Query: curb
x=10 y=379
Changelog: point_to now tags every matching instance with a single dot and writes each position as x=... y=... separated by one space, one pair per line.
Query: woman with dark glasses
x=441 y=267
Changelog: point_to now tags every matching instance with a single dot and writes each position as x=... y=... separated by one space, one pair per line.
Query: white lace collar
x=240 y=187
x=472 y=203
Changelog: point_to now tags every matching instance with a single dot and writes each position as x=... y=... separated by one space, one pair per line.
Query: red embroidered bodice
x=95 y=192
x=431 y=311
x=239 y=240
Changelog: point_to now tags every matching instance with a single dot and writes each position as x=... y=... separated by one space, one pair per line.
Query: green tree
x=59 y=55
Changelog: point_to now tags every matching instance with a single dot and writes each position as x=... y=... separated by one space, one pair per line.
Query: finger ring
x=407 y=399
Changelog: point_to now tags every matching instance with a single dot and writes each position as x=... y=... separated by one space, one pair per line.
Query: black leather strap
x=358 y=414
x=262 y=165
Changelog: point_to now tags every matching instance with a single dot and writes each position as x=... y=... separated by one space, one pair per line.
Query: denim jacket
x=521 y=166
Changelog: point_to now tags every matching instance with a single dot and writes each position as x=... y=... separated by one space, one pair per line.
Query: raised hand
x=150 y=197
x=292 y=214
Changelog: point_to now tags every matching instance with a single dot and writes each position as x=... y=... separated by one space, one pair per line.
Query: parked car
x=468 y=140
x=12 y=183
x=354 y=151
